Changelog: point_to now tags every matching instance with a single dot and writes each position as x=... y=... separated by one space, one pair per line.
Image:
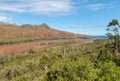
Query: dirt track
x=16 y=48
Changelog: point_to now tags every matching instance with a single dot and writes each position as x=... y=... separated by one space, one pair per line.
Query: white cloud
x=95 y=7
x=46 y=7
x=39 y=6
x=5 y=20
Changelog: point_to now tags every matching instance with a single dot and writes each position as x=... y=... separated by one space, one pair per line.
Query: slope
x=10 y=33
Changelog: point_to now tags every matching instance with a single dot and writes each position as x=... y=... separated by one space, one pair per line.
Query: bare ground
x=17 y=48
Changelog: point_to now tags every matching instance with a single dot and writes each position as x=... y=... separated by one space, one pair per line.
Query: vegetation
x=91 y=62
x=113 y=33
x=114 y=38
x=69 y=42
x=97 y=61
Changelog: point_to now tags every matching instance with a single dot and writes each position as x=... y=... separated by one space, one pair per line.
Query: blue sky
x=79 y=16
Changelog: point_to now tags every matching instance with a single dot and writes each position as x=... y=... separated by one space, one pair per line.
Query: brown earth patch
x=17 y=48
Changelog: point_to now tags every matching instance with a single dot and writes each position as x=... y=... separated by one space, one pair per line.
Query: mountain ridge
x=28 y=32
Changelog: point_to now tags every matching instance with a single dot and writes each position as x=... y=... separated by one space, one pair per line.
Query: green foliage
x=114 y=35
x=31 y=51
x=91 y=62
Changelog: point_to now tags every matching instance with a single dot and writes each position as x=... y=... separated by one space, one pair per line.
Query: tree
x=113 y=33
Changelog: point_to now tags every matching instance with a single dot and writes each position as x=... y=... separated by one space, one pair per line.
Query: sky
x=88 y=17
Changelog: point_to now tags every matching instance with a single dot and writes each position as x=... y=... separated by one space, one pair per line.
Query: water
x=80 y=39
x=99 y=37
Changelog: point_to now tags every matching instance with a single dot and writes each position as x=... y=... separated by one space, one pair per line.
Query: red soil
x=17 y=48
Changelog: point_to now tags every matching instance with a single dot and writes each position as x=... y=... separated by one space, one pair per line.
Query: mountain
x=11 y=33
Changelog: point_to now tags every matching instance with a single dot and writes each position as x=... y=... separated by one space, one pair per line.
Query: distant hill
x=10 y=33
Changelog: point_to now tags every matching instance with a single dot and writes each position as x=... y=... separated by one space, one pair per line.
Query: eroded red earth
x=17 y=48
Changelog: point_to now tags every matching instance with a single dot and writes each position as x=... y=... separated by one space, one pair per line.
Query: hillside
x=10 y=33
